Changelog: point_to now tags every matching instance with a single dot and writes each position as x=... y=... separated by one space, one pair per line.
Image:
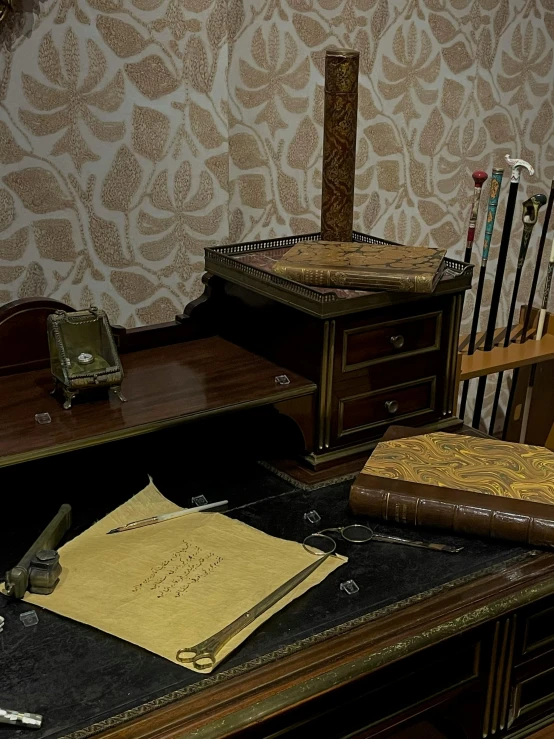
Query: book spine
x=460 y=518
x=355 y=280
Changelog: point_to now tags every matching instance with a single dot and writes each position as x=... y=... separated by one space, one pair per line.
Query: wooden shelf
x=501 y=359
x=163 y=387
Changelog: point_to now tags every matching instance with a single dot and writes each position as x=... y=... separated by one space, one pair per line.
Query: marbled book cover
x=488 y=466
x=363 y=266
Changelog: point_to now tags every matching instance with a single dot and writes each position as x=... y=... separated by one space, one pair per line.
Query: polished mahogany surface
x=163 y=387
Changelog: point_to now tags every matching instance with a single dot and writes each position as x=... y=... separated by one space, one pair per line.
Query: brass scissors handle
x=203 y=656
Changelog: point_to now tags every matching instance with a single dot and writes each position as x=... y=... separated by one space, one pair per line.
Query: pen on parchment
x=165 y=517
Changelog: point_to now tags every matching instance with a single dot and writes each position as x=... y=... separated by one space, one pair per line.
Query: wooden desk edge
x=222 y=709
x=128 y=433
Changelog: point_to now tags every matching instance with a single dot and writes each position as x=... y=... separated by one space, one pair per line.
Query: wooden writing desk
x=464 y=645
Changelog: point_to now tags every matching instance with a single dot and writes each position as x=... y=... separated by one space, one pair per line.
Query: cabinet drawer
x=533 y=695
x=539 y=632
x=364 y=410
x=363 y=346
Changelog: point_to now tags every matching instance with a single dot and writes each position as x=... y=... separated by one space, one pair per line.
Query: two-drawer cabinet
x=377 y=357
x=389 y=370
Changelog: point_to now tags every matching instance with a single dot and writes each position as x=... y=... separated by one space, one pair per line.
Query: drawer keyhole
x=397 y=341
x=391 y=406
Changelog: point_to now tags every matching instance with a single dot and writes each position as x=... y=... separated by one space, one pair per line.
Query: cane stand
x=524 y=356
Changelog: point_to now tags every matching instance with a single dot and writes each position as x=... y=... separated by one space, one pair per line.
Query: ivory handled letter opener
x=166 y=516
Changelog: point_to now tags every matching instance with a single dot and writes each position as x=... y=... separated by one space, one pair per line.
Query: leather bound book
x=360 y=266
x=464 y=484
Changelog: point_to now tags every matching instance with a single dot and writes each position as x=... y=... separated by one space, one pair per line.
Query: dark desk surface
x=84 y=681
x=163 y=387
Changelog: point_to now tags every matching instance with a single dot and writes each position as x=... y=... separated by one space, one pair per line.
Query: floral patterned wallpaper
x=133 y=133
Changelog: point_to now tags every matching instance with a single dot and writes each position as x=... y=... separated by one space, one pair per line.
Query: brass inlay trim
x=449 y=380
x=492 y=673
x=219 y=261
x=499 y=676
x=362 y=665
x=315 y=459
x=477 y=659
x=508 y=674
x=412 y=414
x=323 y=385
x=530 y=729
x=329 y=392
x=454 y=365
x=147 y=428
x=452 y=341
x=396 y=354
x=317 y=685
x=350 y=451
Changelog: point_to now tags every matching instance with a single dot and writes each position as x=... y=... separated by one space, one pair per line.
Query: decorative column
x=339 y=144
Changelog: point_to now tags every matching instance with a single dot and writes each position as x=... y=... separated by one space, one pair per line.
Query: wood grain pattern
x=505 y=358
x=163 y=387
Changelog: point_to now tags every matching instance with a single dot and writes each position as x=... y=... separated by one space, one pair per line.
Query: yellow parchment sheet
x=175 y=583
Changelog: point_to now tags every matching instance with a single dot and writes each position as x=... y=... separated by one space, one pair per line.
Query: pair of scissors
x=203 y=656
x=358 y=534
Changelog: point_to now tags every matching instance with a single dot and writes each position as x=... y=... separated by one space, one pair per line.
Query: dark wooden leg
x=541 y=414
x=514 y=424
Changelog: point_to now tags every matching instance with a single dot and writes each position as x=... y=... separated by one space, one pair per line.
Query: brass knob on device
x=397 y=341
x=391 y=406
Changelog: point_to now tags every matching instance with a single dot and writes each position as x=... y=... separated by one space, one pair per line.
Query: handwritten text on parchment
x=184 y=568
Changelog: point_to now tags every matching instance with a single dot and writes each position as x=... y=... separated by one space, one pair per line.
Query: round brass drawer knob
x=397 y=341
x=391 y=406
